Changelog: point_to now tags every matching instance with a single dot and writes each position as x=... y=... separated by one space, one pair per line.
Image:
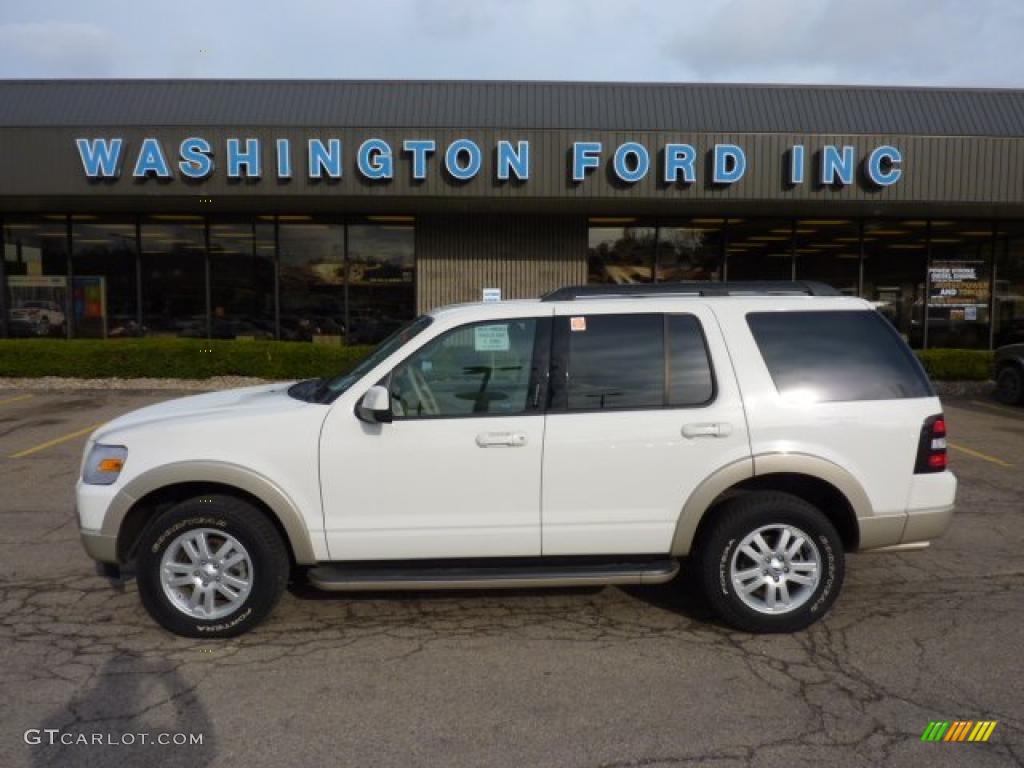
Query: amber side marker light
x=111 y=465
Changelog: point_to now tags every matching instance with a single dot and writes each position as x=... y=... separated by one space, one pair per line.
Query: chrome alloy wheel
x=206 y=573
x=775 y=569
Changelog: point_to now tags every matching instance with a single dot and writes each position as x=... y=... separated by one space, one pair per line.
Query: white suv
x=599 y=435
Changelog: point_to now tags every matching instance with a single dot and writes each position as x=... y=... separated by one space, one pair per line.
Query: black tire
x=1010 y=385
x=250 y=527
x=743 y=515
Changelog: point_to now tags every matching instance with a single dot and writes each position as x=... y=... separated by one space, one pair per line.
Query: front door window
x=482 y=369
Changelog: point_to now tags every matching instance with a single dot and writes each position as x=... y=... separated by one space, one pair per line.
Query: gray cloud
x=877 y=41
x=934 y=42
x=57 y=47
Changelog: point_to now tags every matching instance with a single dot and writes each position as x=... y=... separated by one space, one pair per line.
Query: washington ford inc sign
x=375 y=159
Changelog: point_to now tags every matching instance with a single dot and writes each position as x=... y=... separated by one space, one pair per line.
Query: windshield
x=331 y=388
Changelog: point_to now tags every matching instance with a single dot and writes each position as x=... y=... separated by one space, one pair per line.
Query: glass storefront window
x=104 y=263
x=895 y=256
x=381 y=279
x=959 y=284
x=311 y=253
x=174 y=275
x=691 y=250
x=36 y=269
x=621 y=254
x=828 y=251
x=241 y=278
x=760 y=249
x=1008 y=320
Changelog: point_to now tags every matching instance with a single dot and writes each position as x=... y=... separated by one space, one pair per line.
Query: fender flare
x=222 y=473
x=778 y=463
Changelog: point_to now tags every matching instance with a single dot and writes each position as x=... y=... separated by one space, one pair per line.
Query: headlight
x=104 y=464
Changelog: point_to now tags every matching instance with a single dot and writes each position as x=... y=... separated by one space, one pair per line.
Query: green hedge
x=198 y=359
x=957 y=364
x=174 y=358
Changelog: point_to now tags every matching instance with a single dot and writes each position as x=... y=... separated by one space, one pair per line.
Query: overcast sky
x=900 y=42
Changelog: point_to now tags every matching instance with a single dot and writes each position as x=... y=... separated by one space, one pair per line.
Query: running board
x=341 y=577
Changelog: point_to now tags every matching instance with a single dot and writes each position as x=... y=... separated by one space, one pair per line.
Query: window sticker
x=491 y=338
x=577 y=323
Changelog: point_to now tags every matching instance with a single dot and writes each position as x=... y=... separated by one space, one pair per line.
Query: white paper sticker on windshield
x=491 y=338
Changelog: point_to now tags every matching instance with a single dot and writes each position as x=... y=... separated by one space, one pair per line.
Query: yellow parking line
x=978 y=454
x=1000 y=408
x=55 y=441
x=15 y=399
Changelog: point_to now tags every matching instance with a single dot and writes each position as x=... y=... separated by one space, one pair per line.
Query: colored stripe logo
x=959 y=730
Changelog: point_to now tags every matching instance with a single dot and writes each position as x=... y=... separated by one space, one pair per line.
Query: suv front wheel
x=211 y=566
x=770 y=562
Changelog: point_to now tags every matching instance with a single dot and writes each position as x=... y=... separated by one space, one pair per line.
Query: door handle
x=492 y=439
x=717 y=429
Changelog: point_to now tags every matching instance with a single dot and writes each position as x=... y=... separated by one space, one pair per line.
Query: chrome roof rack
x=692 y=288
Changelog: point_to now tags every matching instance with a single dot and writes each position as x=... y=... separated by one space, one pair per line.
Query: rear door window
x=829 y=356
x=608 y=362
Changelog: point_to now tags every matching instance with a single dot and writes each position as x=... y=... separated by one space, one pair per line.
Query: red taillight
x=931 y=449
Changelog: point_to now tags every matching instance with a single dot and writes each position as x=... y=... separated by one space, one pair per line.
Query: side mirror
x=375 y=406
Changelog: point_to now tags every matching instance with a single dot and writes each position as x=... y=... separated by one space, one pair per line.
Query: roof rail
x=692 y=288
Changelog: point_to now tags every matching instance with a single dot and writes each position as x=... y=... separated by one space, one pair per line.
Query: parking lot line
x=979 y=455
x=14 y=399
x=55 y=441
x=1000 y=408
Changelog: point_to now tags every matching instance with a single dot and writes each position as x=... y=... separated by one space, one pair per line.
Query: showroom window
x=895 y=261
x=312 y=278
x=36 y=272
x=690 y=250
x=1008 y=318
x=828 y=251
x=381 y=278
x=959 y=284
x=174 y=275
x=241 y=278
x=620 y=254
x=759 y=249
x=104 y=258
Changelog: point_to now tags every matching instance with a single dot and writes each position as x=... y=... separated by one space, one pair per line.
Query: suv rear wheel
x=770 y=562
x=1010 y=385
x=211 y=566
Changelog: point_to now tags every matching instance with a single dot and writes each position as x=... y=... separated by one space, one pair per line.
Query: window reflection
x=35 y=264
x=895 y=255
x=241 y=278
x=312 y=279
x=828 y=251
x=760 y=249
x=620 y=254
x=690 y=251
x=174 y=275
x=1009 y=285
x=104 y=298
x=381 y=271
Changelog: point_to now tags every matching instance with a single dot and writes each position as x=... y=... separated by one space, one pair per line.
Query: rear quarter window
x=830 y=356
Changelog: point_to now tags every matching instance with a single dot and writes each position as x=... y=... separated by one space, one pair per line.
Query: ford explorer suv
x=752 y=433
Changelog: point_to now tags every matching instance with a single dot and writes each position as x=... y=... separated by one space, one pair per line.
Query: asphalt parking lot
x=637 y=677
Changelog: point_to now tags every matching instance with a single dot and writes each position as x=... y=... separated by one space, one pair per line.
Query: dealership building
x=335 y=211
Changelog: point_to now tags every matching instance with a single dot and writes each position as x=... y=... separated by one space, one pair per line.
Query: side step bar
x=342 y=577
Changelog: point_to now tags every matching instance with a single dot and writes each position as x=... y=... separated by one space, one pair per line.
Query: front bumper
x=99 y=546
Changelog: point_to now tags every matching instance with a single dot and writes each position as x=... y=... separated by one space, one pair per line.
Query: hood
x=247 y=401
